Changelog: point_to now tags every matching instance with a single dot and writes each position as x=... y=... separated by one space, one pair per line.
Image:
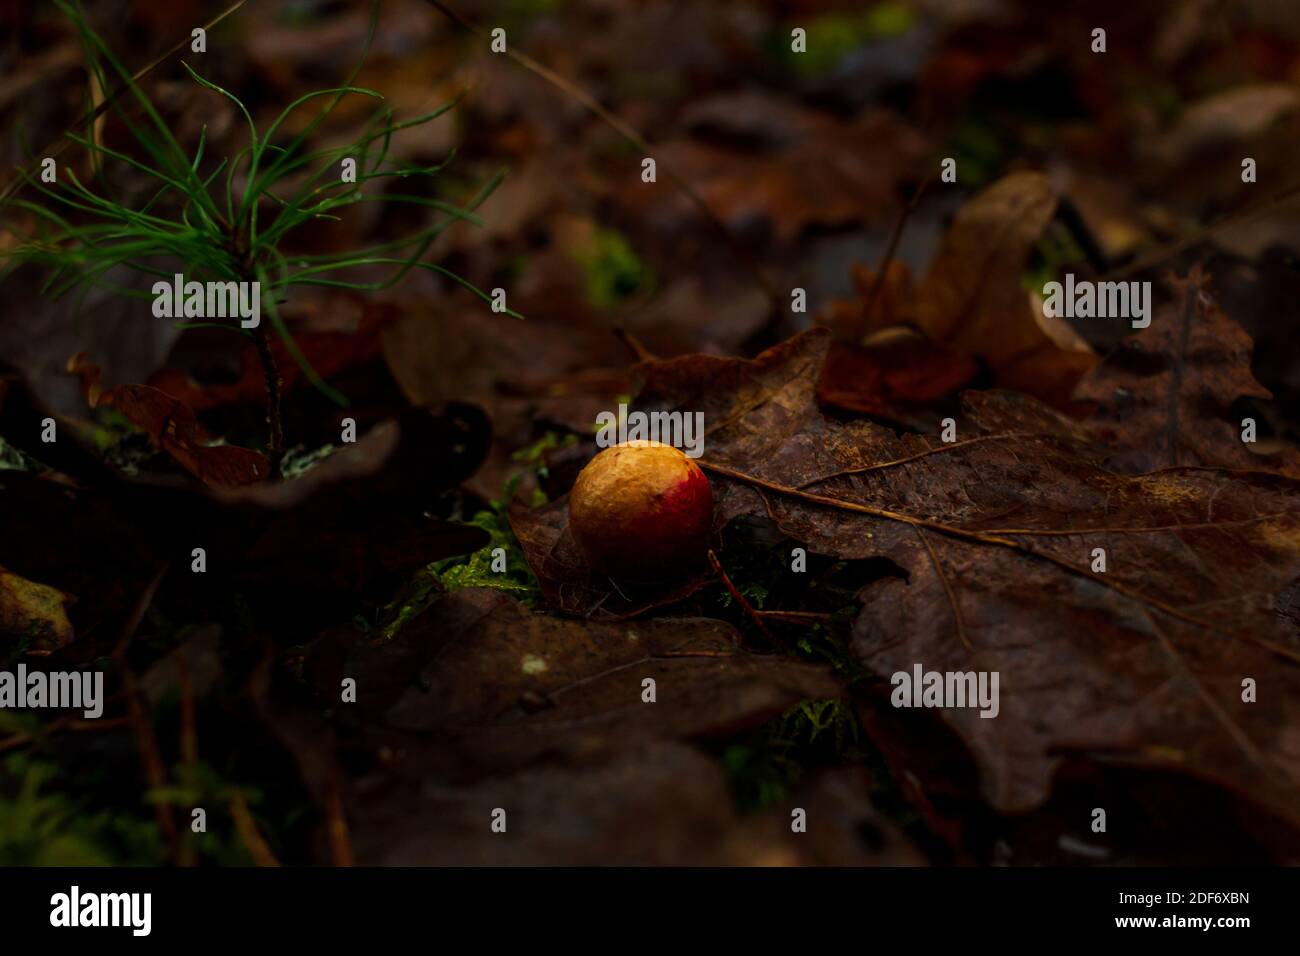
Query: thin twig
x=795 y=617
x=980 y=537
x=151 y=760
x=943 y=579
x=274 y=390
x=1240 y=217
x=878 y=283
x=881 y=465
x=188 y=734
x=247 y=827
x=741 y=600
x=337 y=823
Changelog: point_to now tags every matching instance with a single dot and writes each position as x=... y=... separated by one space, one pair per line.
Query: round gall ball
x=641 y=510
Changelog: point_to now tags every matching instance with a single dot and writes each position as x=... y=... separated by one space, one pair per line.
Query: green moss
x=477 y=570
x=11 y=459
x=835 y=35
x=613 y=272
x=42 y=827
x=1053 y=253
x=979 y=151
x=480 y=570
x=298 y=460
x=766 y=765
x=534 y=455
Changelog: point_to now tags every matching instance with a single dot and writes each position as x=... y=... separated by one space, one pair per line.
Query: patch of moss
x=482 y=569
x=1052 y=254
x=766 y=765
x=40 y=826
x=833 y=36
x=612 y=272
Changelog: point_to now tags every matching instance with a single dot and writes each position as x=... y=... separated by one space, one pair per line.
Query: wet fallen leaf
x=971 y=304
x=893 y=370
x=996 y=535
x=972 y=300
x=1165 y=393
x=175 y=429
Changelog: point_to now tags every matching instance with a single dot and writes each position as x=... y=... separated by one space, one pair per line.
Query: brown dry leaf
x=895 y=368
x=544 y=716
x=808 y=169
x=878 y=362
x=972 y=301
x=517 y=683
x=355 y=525
x=1165 y=393
x=659 y=803
x=174 y=428
x=1227 y=118
x=34 y=613
x=996 y=534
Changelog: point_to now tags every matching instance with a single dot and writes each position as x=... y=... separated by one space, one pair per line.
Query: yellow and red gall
x=641 y=510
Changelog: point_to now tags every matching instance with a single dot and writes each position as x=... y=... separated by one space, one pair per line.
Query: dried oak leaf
x=487 y=701
x=996 y=532
x=174 y=428
x=507 y=685
x=355 y=525
x=879 y=364
x=656 y=803
x=971 y=301
x=1165 y=394
x=357 y=521
x=891 y=371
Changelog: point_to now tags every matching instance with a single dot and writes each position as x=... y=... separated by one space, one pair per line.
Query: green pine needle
x=195 y=222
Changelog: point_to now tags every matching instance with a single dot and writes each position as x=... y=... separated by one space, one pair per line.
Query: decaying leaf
x=548 y=717
x=971 y=301
x=659 y=803
x=997 y=533
x=500 y=685
x=1164 y=395
x=174 y=428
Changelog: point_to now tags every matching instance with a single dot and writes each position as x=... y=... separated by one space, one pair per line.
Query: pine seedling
x=228 y=219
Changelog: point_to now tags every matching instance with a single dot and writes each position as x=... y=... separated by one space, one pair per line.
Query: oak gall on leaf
x=641 y=510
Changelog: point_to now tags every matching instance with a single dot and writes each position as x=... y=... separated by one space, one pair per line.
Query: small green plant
x=613 y=272
x=40 y=826
x=766 y=765
x=228 y=219
x=482 y=569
